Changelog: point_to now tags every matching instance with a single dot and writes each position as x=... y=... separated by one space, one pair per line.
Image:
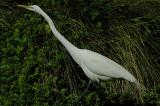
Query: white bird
x=95 y=66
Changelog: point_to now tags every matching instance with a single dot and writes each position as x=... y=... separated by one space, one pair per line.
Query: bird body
x=95 y=66
x=101 y=67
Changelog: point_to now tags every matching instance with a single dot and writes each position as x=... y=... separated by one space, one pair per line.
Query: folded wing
x=103 y=66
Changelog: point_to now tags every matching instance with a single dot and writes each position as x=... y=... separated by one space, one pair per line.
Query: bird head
x=31 y=8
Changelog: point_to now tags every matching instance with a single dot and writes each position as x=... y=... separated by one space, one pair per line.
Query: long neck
x=69 y=46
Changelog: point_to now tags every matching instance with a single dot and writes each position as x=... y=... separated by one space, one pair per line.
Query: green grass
x=37 y=70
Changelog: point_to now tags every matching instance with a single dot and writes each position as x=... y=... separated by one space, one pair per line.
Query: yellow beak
x=22 y=6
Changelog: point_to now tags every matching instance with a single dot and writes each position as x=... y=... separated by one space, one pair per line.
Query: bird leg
x=83 y=94
x=87 y=86
x=86 y=89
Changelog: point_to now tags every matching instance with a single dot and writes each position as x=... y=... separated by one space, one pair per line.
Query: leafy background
x=35 y=69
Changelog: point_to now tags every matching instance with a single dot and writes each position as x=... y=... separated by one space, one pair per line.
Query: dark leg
x=87 y=86
x=83 y=94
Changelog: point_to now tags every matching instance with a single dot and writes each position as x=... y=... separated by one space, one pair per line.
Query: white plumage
x=102 y=67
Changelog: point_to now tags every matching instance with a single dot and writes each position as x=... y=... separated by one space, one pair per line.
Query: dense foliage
x=35 y=68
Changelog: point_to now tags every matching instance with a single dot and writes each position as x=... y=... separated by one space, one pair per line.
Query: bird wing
x=103 y=66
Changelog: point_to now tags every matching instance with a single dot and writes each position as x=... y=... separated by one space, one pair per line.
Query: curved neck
x=69 y=46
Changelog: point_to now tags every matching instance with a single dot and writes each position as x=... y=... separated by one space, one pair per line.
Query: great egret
x=95 y=66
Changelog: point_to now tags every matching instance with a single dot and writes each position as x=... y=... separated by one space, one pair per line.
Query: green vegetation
x=35 y=69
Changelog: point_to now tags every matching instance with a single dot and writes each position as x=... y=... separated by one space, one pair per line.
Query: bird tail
x=140 y=86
